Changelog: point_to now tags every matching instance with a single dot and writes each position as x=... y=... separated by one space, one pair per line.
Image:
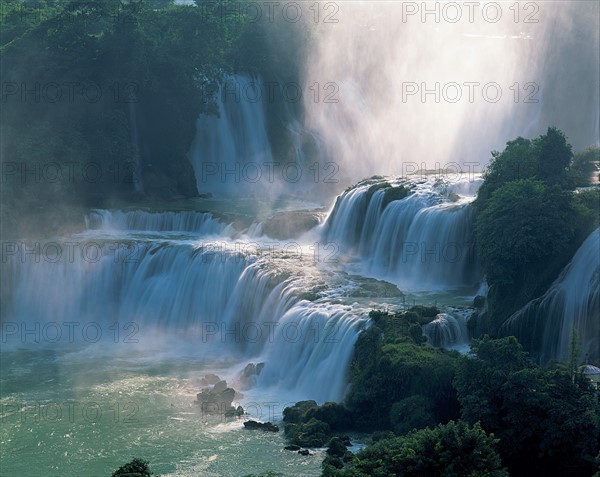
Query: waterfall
x=446 y=331
x=545 y=325
x=422 y=240
x=230 y=152
x=138 y=220
x=188 y=297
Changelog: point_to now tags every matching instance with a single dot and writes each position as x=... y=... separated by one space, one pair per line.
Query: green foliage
x=135 y=468
x=526 y=234
x=548 y=423
x=554 y=156
x=313 y=433
x=336 y=447
x=586 y=204
x=517 y=161
x=389 y=366
x=296 y=414
x=524 y=224
x=140 y=73
x=584 y=166
x=414 y=412
x=310 y=425
x=528 y=221
x=450 y=450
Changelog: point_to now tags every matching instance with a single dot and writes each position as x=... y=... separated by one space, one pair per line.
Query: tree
x=583 y=167
x=554 y=156
x=524 y=223
x=449 y=450
x=135 y=468
x=548 y=424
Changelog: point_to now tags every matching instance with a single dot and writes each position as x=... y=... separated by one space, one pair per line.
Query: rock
x=209 y=380
x=265 y=426
x=239 y=411
x=248 y=376
x=304 y=452
x=220 y=386
x=215 y=402
x=291 y=224
x=292 y=448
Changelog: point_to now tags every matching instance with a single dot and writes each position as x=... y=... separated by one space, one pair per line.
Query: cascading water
x=447 y=331
x=217 y=301
x=230 y=151
x=180 y=221
x=423 y=240
x=545 y=325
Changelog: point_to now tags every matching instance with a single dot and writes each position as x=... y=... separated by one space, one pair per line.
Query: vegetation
x=448 y=414
x=529 y=221
x=135 y=468
x=547 y=420
x=100 y=98
x=449 y=450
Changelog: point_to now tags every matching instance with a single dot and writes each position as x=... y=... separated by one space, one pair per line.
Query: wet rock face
x=288 y=225
x=217 y=398
x=249 y=375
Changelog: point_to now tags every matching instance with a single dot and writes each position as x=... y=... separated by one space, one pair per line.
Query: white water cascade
x=229 y=152
x=422 y=241
x=187 y=297
x=139 y=220
x=545 y=325
x=447 y=331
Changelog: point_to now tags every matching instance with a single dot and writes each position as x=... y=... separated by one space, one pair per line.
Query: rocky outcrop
x=217 y=398
x=264 y=426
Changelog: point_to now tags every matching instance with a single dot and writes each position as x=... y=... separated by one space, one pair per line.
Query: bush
x=135 y=468
x=450 y=450
x=547 y=420
x=313 y=433
x=414 y=412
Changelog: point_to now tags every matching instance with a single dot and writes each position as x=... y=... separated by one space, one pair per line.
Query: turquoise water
x=81 y=413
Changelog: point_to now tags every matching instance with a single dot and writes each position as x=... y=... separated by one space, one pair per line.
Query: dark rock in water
x=292 y=448
x=220 y=386
x=265 y=426
x=214 y=402
x=288 y=225
x=304 y=452
x=248 y=376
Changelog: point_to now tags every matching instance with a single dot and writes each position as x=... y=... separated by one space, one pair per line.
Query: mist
x=418 y=85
